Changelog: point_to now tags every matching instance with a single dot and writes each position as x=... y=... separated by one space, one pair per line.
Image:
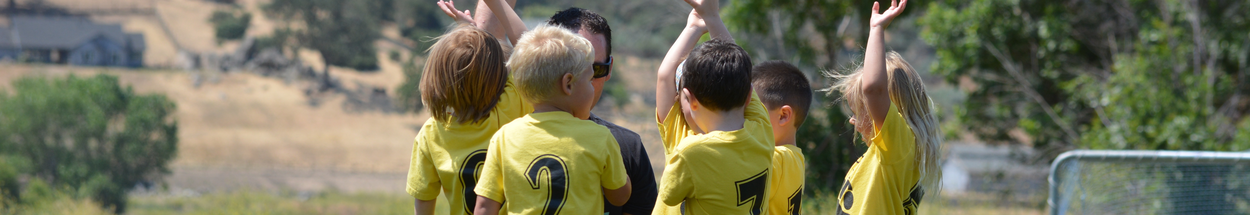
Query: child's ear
x=566 y=83
x=786 y=115
x=694 y=102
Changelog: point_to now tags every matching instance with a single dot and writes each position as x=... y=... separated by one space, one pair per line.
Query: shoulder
x=623 y=135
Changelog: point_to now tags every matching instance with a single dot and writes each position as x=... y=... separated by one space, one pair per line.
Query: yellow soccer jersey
x=448 y=155
x=884 y=180
x=551 y=163
x=788 y=175
x=720 y=172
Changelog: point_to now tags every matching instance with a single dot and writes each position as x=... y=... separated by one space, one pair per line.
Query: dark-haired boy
x=594 y=28
x=787 y=94
x=717 y=138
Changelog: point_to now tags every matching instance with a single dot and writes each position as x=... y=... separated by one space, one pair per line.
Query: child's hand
x=450 y=10
x=708 y=8
x=695 y=21
x=883 y=19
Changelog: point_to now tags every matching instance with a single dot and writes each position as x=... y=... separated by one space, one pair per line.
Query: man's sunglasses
x=602 y=69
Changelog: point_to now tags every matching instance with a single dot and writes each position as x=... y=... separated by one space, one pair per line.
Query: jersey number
x=557 y=182
x=796 y=200
x=751 y=190
x=469 y=171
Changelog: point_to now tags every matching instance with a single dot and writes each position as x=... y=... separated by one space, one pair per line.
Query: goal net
x=1150 y=182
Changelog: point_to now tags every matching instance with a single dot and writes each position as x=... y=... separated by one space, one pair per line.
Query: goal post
x=1149 y=182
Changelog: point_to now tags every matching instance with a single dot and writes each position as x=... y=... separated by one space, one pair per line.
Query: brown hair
x=463 y=76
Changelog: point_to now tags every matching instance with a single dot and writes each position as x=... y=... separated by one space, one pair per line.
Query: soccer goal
x=1150 y=182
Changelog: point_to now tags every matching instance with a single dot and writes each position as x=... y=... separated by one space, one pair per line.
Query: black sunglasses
x=602 y=69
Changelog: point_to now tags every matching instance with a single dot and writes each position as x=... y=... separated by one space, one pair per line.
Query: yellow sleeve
x=614 y=171
x=894 y=139
x=490 y=182
x=675 y=185
x=756 y=112
x=511 y=105
x=674 y=128
x=423 y=181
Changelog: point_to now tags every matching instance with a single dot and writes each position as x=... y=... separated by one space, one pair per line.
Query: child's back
x=553 y=163
x=719 y=172
x=451 y=145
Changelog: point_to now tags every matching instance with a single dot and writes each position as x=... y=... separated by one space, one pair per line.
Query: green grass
x=258 y=202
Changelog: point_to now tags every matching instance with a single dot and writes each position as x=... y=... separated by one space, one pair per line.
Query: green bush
x=91 y=136
x=230 y=25
x=410 y=92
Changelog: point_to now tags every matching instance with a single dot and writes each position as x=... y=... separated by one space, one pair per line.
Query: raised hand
x=695 y=21
x=706 y=7
x=883 y=19
x=450 y=9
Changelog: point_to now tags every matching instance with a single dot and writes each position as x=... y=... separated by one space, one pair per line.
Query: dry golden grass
x=243 y=120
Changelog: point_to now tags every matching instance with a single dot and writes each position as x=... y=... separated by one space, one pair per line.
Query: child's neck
x=730 y=120
x=549 y=107
x=786 y=140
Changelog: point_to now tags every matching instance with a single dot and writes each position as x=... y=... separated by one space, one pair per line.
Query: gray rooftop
x=41 y=32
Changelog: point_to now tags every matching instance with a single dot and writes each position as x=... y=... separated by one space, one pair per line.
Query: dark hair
x=575 y=19
x=718 y=73
x=779 y=83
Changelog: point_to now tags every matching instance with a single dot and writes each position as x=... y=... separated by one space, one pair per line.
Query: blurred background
x=310 y=106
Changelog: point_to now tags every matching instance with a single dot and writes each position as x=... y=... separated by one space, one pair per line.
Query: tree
x=1102 y=75
x=88 y=134
x=228 y=26
x=342 y=31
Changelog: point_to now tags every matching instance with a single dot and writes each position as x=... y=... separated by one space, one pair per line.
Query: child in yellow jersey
x=716 y=134
x=552 y=161
x=890 y=108
x=787 y=94
x=465 y=86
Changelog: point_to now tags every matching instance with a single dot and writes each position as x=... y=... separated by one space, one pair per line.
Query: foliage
x=342 y=31
x=829 y=145
x=810 y=31
x=1102 y=75
x=42 y=198
x=230 y=25
x=89 y=135
x=410 y=91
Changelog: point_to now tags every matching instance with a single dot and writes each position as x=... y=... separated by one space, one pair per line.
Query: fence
x=1150 y=182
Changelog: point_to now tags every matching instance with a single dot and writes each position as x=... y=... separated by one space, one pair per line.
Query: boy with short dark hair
x=787 y=94
x=717 y=138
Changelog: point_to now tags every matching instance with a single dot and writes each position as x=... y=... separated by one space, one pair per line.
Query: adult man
x=637 y=164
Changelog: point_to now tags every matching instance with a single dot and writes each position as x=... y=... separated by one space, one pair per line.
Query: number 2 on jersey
x=557 y=182
x=469 y=171
x=751 y=190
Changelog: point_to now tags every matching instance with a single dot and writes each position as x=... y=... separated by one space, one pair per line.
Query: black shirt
x=637 y=166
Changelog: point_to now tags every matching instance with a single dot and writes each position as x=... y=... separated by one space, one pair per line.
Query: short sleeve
x=675 y=184
x=511 y=105
x=895 y=139
x=490 y=183
x=614 y=176
x=674 y=128
x=756 y=113
x=423 y=181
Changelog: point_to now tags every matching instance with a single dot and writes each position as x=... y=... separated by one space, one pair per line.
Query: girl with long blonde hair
x=895 y=116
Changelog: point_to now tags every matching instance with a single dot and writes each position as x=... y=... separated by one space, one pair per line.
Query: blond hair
x=463 y=76
x=907 y=93
x=543 y=56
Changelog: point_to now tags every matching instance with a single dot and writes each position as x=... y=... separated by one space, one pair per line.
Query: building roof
x=44 y=32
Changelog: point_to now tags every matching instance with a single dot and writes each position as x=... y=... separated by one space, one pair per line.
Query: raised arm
x=507 y=18
x=709 y=10
x=487 y=20
x=874 y=82
x=665 y=85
